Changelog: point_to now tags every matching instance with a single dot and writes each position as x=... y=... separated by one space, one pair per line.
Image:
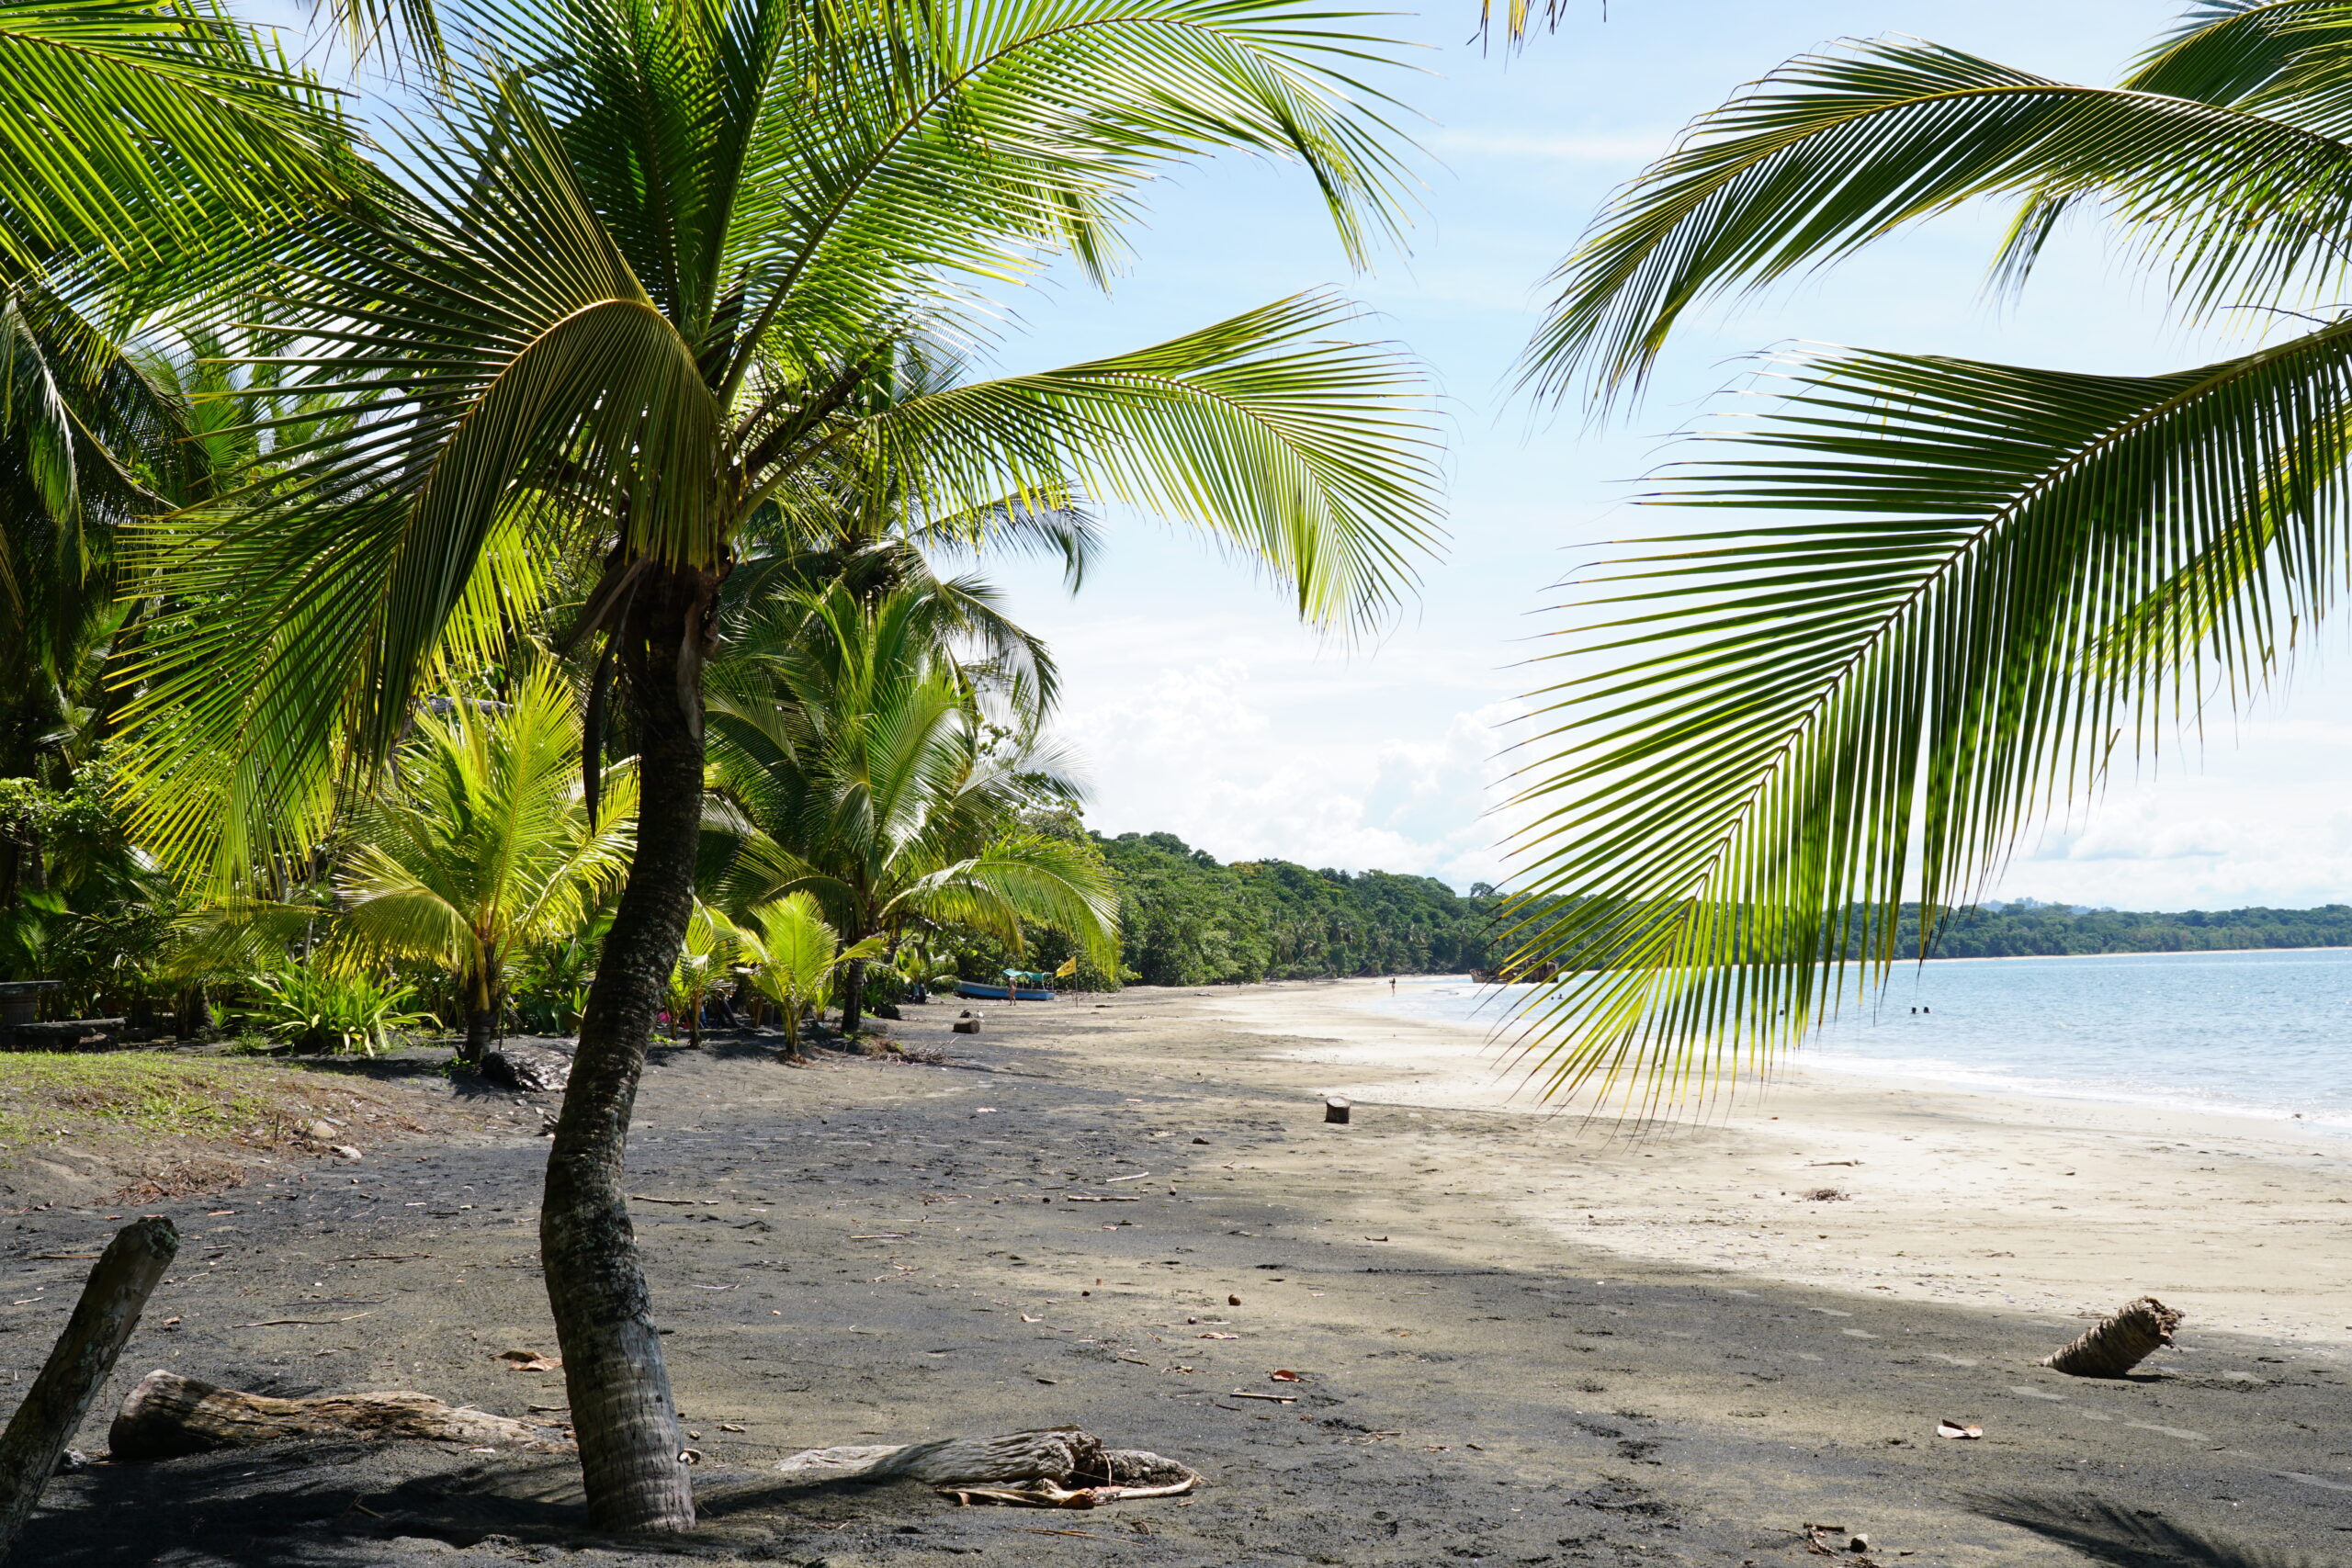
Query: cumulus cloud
x=1269 y=752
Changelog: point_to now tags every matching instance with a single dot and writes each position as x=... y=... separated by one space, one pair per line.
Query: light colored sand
x=2052 y=1205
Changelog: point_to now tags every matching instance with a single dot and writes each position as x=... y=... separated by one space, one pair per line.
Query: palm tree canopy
x=860 y=769
x=1956 y=591
x=630 y=296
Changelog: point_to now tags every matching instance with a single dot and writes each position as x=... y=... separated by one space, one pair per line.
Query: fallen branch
x=167 y=1416
x=78 y=1366
x=2117 y=1342
x=1060 y=1467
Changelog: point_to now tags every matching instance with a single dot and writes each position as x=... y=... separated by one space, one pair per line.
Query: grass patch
x=61 y=1095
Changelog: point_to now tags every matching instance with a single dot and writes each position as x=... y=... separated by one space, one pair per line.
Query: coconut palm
x=797 y=957
x=713 y=948
x=1956 y=589
x=632 y=280
x=135 y=145
x=482 y=846
x=863 y=767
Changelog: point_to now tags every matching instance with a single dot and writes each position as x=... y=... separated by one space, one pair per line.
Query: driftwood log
x=2118 y=1342
x=167 y=1416
x=533 y=1067
x=1059 y=1467
x=78 y=1366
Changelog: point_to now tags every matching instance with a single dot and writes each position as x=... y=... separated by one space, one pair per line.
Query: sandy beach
x=1510 y=1339
x=1978 y=1198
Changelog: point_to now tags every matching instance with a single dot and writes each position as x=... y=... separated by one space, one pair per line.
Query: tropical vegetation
x=1184 y=920
x=384 y=497
x=1952 y=594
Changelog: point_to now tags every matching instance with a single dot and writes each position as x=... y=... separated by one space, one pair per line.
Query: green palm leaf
x=139 y=132
x=1968 y=587
x=1834 y=150
x=1312 y=454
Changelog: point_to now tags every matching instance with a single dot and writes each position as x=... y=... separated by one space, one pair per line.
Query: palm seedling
x=1955 y=590
x=798 y=957
x=480 y=846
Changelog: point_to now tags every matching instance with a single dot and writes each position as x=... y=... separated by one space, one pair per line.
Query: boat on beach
x=982 y=990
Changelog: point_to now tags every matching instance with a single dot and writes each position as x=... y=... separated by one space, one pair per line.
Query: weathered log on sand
x=78 y=1366
x=2120 y=1342
x=532 y=1065
x=167 y=1416
x=1059 y=1467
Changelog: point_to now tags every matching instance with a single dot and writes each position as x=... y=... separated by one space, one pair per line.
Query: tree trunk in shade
x=621 y=1409
x=852 y=994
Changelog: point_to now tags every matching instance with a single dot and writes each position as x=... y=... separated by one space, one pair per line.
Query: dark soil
x=872 y=1251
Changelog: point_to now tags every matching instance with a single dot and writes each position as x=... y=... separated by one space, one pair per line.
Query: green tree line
x=2022 y=930
x=1187 y=919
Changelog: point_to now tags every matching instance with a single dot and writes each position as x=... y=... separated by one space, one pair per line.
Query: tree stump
x=78 y=1366
x=168 y=1415
x=2119 y=1343
x=1054 y=1467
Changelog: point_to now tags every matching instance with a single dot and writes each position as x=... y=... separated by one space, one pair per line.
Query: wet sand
x=1512 y=1347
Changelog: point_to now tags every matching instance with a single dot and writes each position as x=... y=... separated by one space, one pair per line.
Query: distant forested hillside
x=2024 y=929
x=1189 y=920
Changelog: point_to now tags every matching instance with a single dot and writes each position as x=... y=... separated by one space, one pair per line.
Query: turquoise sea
x=2265 y=1034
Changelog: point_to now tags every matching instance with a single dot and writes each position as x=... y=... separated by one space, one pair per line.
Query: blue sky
x=1205 y=711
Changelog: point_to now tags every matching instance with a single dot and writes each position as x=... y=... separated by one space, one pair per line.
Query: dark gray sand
x=874 y=1252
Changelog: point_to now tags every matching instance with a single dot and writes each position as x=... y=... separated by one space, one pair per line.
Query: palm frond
x=140 y=131
x=1834 y=150
x=1311 y=455
x=1956 y=591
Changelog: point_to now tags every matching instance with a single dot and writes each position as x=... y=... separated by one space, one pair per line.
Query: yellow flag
x=1070 y=967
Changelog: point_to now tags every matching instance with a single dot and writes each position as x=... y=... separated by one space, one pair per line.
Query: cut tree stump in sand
x=167 y=1416
x=1059 y=1467
x=78 y=1366
x=2117 y=1342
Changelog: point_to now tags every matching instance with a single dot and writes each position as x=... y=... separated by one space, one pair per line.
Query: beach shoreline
x=1998 y=1197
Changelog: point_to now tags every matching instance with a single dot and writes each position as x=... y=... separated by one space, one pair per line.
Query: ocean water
x=2260 y=1034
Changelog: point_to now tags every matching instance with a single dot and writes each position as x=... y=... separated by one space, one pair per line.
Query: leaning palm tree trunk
x=621 y=1409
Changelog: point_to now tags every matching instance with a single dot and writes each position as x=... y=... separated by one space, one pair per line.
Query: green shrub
x=315 y=1009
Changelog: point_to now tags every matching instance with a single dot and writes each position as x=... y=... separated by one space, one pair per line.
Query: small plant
x=315 y=1009
x=797 y=957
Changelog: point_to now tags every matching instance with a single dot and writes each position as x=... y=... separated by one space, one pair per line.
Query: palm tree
x=626 y=294
x=133 y=145
x=713 y=947
x=864 y=770
x=482 y=846
x=797 y=956
x=1956 y=587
